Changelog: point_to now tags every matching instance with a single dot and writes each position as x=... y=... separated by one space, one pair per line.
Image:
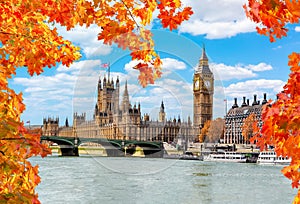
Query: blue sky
x=244 y=63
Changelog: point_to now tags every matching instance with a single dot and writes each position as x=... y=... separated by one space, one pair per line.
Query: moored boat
x=190 y=156
x=270 y=157
x=186 y=156
x=226 y=157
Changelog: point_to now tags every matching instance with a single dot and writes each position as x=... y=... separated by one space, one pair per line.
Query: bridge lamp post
x=75 y=142
x=75 y=138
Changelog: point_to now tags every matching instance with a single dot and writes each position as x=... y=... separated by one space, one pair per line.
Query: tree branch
x=131 y=15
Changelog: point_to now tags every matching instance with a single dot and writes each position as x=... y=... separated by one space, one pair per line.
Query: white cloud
x=129 y=68
x=97 y=51
x=217 y=19
x=260 y=67
x=297 y=28
x=87 y=39
x=169 y=65
x=82 y=65
x=217 y=30
x=226 y=72
x=251 y=87
x=173 y=64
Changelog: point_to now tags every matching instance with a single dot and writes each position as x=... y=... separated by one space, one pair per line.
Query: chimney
x=248 y=102
x=235 y=105
x=254 y=102
x=244 y=102
x=258 y=102
x=265 y=99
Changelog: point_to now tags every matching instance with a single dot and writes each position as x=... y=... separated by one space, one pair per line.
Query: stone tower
x=162 y=114
x=203 y=89
x=50 y=126
x=106 y=101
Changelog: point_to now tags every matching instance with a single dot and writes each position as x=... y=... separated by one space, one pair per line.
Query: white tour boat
x=270 y=157
x=226 y=157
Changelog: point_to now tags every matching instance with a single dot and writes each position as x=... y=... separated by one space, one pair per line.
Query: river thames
x=88 y=179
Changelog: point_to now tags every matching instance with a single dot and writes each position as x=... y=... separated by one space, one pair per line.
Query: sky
x=243 y=62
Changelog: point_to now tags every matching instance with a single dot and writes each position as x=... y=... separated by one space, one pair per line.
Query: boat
x=223 y=156
x=186 y=156
x=270 y=157
x=190 y=156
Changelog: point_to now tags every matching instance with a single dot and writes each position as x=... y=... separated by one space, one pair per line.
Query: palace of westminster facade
x=116 y=118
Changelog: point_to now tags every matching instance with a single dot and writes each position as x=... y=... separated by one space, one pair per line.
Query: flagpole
x=225 y=100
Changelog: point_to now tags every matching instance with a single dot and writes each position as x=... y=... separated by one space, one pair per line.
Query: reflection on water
x=141 y=180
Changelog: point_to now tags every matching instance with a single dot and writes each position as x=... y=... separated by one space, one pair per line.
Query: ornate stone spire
x=99 y=83
x=203 y=66
x=162 y=107
x=126 y=90
x=203 y=56
x=67 y=122
x=125 y=102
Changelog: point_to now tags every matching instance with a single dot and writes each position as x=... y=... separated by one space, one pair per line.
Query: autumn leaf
x=281 y=117
x=29 y=42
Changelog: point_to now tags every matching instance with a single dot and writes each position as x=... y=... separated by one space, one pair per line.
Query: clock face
x=197 y=84
x=207 y=83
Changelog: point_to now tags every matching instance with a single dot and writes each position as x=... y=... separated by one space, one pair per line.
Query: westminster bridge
x=114 y=148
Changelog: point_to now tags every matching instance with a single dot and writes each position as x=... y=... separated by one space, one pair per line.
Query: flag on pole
x=28 y=121
x=105 y=65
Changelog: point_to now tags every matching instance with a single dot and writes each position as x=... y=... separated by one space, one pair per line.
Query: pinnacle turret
x=126 y=90
x=125 y=102
x=162 y=107
x=203 y=56
x=203 y=67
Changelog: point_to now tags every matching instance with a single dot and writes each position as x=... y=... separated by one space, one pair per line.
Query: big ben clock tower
x=203 y=89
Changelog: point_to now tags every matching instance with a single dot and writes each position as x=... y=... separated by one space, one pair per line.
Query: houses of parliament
x=116 y=118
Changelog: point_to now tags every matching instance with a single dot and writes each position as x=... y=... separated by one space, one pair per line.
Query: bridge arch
x=144 y=143
x=58 y=140
x=101 y=141
x=150 y=149
x=112 y=148
x=66 y=144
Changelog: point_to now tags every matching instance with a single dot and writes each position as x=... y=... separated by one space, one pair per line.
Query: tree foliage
x=281 y=120
x=204 y=131
x=215 y=131
x=212 y=131
x=29 y=40
x=249 y=125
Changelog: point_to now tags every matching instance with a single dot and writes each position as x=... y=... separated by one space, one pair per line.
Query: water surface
x=90 y=179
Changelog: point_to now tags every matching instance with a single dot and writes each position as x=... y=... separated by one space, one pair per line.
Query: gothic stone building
x=116 y=118
x=235 y=117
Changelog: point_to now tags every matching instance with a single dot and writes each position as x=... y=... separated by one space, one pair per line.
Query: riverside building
x=235 y=117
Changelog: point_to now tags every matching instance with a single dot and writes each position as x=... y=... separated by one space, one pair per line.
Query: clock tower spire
x=203 y=89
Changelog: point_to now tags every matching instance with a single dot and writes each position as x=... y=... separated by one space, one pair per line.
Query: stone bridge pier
x=68 y=150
